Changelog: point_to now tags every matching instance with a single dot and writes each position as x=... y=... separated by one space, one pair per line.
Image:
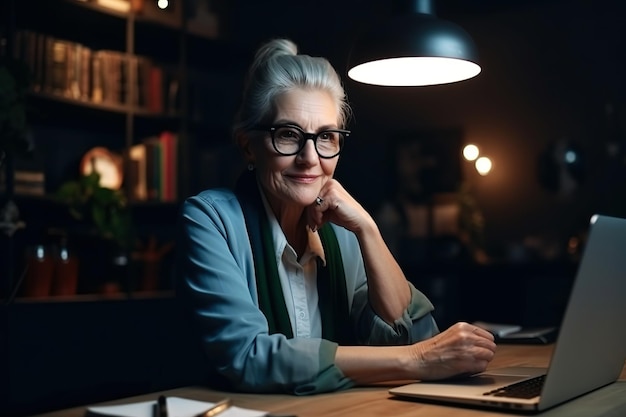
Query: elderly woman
x=289 y=282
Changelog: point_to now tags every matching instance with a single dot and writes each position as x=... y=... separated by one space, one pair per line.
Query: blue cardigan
x=217 y=286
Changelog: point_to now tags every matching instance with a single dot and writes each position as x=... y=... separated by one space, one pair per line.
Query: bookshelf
x=94 y=57
x=115 y=74
x=65 y=125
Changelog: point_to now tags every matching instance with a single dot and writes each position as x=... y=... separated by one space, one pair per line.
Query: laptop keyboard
x=525 y=389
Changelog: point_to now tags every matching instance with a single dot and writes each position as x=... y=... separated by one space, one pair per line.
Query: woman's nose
x=308 y=152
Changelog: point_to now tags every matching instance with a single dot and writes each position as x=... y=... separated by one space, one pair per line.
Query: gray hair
x=278 y=68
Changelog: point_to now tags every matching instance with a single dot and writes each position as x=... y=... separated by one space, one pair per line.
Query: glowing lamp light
x=483 y=165
x=414 y=71
x=470 y=152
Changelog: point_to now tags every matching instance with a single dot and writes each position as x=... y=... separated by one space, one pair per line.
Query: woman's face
x=297 y=179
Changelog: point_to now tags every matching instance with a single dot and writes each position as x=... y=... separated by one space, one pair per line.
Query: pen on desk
x=160 y=408
x=217 y=408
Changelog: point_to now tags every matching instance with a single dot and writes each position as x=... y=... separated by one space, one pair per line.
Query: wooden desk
x=376 y=401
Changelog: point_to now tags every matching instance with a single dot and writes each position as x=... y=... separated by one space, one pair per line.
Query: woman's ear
x=242 y=139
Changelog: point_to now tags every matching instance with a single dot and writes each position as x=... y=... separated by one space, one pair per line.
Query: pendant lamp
x=414 y=48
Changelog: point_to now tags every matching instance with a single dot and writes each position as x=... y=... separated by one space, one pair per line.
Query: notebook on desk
x=590 y=349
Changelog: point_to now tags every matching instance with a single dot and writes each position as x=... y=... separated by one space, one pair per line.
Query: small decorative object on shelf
x=39 y=274
x=108 y=164
x=66 y=266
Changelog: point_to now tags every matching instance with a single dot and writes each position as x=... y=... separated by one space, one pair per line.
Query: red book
x=169 y=162
x=155 y=89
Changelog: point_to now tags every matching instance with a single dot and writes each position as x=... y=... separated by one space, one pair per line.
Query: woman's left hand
x=336 y=205
x=389 y=292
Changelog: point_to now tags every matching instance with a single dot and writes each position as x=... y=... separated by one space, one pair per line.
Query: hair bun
x=273 y=49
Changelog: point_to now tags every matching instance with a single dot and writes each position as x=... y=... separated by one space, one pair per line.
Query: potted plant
x=108 y=221
x=103 y=208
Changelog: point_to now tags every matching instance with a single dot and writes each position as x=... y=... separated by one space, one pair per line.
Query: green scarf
x=331 y=281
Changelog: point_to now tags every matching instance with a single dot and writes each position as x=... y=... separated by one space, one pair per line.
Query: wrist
x=419 y=363
x=366 y=228
x=411 y=359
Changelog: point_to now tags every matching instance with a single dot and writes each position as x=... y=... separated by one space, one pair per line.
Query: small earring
x=250 y=166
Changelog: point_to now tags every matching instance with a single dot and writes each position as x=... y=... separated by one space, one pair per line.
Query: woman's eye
x=288 y=134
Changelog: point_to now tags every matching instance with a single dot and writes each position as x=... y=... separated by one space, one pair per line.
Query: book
x=169 y=166
x=137 y=172
x=176 y=406
x=154 y=168
x=97 y=77
x=56 y=65
x=29 y=183
x=155 y=89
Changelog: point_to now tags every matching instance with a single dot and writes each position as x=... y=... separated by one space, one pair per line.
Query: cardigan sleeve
x=217 y=286
x=416 y=323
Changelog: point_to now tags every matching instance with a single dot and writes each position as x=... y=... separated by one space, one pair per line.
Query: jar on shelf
x=39 y=272
x=65 y=279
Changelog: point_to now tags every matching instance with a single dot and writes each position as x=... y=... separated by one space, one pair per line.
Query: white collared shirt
x=298 y=279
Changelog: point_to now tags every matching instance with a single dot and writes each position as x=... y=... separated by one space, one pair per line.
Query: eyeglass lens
x=289 y=141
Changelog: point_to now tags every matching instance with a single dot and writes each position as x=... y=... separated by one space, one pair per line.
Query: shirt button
x=302 y=314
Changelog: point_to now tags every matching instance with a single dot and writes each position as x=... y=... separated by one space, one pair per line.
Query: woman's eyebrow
x=286 y=122
x=292 y=123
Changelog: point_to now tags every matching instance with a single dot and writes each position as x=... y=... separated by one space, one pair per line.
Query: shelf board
x=103 y=106
x=82 y=298
x=110 y=107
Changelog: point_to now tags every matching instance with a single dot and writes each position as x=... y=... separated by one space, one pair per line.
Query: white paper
x=176 y=407
x=498 y=329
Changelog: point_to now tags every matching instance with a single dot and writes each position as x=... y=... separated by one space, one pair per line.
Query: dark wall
x=548 y=71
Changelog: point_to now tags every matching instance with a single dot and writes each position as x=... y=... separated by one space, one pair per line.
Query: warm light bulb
x=470 y=152
x=414 y=71
x=483 y=165
x=162 y=4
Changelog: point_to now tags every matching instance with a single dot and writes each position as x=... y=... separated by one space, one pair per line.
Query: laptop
x=590 y=349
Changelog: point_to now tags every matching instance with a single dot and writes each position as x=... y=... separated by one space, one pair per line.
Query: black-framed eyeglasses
x=290 y=139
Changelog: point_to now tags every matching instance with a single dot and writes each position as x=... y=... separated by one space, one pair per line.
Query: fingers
x=483 y=333
x=324 y=204
x=462 y=348
x=324 y=207
x=335 y=204
x=315 y=214
x=465 y=328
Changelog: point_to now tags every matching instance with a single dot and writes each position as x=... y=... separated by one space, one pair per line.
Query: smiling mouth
x=303 y=179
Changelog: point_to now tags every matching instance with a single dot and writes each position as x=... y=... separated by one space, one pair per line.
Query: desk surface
x=376 y=401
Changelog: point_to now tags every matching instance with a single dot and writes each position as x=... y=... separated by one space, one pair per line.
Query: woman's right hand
x=462 y=349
